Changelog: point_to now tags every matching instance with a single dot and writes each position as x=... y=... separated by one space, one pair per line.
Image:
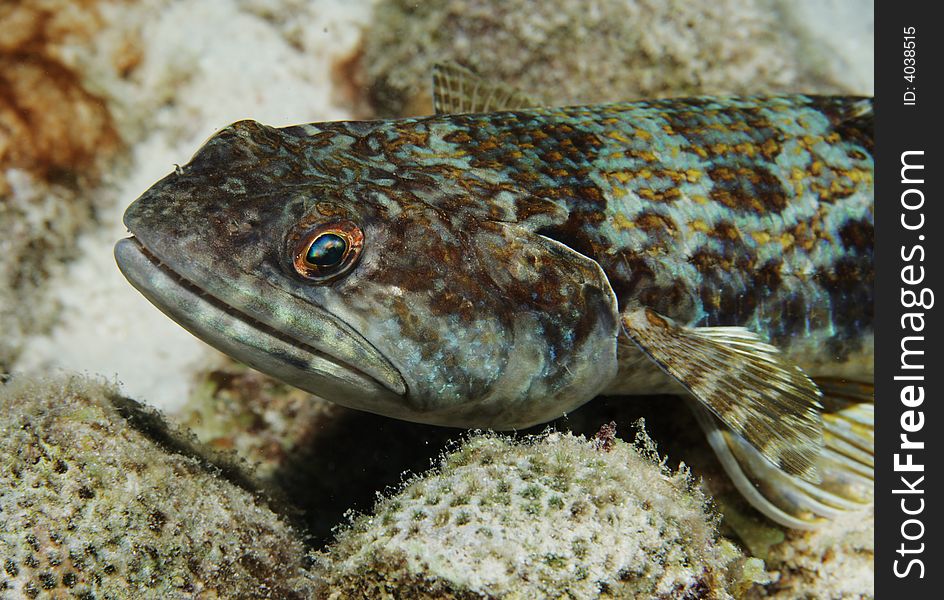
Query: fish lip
x=133 y=244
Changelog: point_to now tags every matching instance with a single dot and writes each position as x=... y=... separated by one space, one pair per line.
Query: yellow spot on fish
x=720 y=148
x=747 y=149
x=749 y=174
x=619 y=137
x=442 y=155
x=837 y=185
x=622 y=223
x=859 y=175
x=648 y=156
x=621 y=176
x=769 y=147
x=761 y=237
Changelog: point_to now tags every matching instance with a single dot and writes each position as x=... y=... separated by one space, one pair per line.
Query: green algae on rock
x=549 y=516
x=92 y=506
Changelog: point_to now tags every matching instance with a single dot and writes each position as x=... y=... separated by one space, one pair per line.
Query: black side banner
x=909 y=171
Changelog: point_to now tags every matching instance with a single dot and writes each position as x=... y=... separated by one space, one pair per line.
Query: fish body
x=500 y=269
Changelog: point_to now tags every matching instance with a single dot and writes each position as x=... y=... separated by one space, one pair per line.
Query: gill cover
x=489 y=324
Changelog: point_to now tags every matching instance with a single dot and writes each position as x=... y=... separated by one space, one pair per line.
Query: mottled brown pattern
x=850 y=286
x=655 y=224
x=528 y=208
x=707 y=261
x=634 y=273
x=753 y=189
x=725 y=230
x=675 y=300
x=858 y=236
x=767 y=277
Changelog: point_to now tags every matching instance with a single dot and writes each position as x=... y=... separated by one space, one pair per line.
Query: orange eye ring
x=328 y=250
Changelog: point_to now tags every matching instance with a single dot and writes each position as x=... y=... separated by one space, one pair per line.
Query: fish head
x=300 y=253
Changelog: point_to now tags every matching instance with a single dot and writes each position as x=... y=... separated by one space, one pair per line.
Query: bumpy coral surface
x=582 y=52
x=551 y=516
x=91 y=506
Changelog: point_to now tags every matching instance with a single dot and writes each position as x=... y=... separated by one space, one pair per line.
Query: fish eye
x=328 y=250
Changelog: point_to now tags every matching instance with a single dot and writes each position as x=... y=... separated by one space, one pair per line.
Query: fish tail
x=845 y=464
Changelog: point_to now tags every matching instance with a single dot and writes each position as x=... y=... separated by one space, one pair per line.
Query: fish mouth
x=263 y=345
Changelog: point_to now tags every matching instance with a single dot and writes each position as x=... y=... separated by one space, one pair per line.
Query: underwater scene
x=445 y=299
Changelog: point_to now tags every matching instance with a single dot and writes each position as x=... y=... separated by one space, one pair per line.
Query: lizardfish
x=499 y=264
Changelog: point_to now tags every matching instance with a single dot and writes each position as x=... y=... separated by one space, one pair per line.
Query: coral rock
x=551 y=516
x=92 y=506
x=568 y=52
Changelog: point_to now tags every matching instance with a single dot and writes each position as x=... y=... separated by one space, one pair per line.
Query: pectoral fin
x=846 y=464
x=457 y=90
x=745 y=383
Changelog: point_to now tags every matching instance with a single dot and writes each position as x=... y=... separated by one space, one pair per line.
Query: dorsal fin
x=863 y=108
x=458 y=90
